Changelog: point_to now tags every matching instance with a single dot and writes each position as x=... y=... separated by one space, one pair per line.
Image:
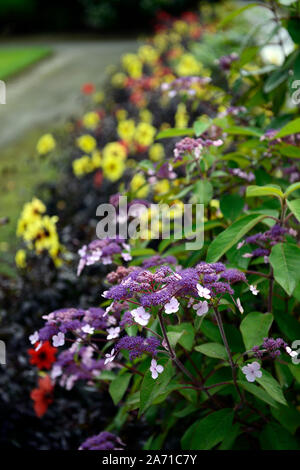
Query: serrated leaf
x=294 y=207
x=236 y=130
x=258 y=392
x=118 y=387
x=275 y=79
x=151 y=388
x=293 y=187
x=206 y=433
x=175 y=132
x=255 y=327
x=272 y=387
x=267 y=190
x=201 y=125
x=285 y=261
x=229 y=237
x=288 y=150
x=174 y=337
x=215 y=350
x=275 y=437
x=188 y=334
x=236 y=13
x=288 y=417
x=291 y=127
x=203 y=191
x=231 y=206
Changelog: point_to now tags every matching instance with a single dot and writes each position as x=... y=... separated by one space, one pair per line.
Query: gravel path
x=49 y=91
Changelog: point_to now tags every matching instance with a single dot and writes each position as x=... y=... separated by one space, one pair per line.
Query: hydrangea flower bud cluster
x=159 y=287
x=102 y=250
x=60 y=322
x=292 y=172
x=184 y=84
x=137 y=346
x=158 y=260
x=103 y=441
x=226 y=61
x=270 y=347
x=270 y=136
x=77 y=363
x=265 y=241
x=193 y=147
x=242 y=174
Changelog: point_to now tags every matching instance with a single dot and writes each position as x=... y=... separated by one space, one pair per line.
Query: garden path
x=49 y=91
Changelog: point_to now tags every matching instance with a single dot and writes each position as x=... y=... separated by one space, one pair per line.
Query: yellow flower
x=46 y=144
x=148 y=54
x=180 y=26
x=118 y=79
x=21 y=259
x=98 y=97
x=31 y=211
x=164 y=126
x=176 y=209
x=82 y=165
x=126 y=130
x=138 y=186
x=174 y=37
x=91 y=120
x=121 y=114
x=188 y=65
x=161 y=187
x=113 y=167
x=160 y=40
x=181 y=116
x=38 y=231
x=215 y=204
x=133 y=65
x=114 y=150
x=87 y=143
x=156 y=152
x=144 y=134
x=96 y=159
x=146 y=116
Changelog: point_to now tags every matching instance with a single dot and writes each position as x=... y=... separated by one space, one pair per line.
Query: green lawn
x=20 y=172
x=14 y=60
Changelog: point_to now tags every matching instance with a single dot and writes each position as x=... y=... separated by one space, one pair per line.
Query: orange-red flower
x=44 y=356
x=42 y=396
x=88 y=88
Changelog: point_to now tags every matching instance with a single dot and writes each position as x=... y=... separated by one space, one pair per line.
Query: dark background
x=36 y=16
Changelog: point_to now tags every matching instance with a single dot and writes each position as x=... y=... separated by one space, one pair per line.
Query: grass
x=20 y=172
x=15 y=60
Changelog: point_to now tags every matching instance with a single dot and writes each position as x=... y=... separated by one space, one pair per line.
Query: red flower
x=124 y=144
x=44 y=357
x=137 y=98
x=140 y=148
x=190 y=17
x=98 y=178
x=196 y=33
x=42 y=396
x=88 y=88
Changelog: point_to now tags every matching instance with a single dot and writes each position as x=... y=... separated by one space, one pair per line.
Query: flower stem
x=172 y=352
x=232 y=364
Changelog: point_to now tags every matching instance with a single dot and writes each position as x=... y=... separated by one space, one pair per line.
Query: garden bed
x=154 y=342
